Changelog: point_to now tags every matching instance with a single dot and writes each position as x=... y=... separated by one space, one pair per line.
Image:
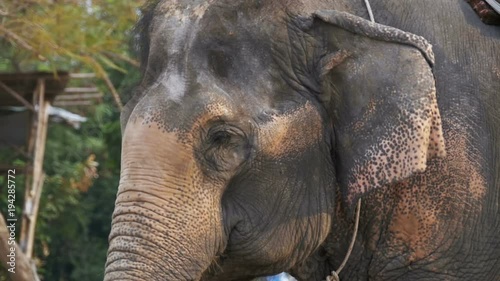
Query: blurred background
x=87 y=44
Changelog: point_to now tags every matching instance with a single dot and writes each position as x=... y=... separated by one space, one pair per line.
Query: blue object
x=280 y=277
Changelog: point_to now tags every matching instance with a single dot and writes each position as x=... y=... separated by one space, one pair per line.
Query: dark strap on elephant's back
x=487 y=10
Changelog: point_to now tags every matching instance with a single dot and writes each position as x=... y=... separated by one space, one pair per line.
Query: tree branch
x=17 y=96
x=123 y=58
x=20 y=41
x=113 y=90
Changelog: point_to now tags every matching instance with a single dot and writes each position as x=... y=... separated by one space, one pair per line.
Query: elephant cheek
x=166 y=224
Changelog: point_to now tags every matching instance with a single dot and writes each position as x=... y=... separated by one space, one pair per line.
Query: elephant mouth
x=213 y=271
x=218 y=271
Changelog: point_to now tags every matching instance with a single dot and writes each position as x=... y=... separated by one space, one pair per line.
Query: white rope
x=335 y=274
x=494 y=4
x=369 y=8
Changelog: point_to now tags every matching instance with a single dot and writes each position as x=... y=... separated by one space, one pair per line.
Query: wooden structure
x=25 y=105
x=84 y=95
x=34 y=91
x=26 y=130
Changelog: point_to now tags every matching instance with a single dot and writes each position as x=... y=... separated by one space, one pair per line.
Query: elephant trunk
x=143 y=247
x=166 y=225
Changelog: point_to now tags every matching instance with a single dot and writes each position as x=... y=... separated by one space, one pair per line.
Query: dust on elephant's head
x=249 y=116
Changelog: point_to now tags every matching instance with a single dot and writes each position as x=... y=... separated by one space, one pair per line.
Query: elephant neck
x=334 y=276
x=337 y=250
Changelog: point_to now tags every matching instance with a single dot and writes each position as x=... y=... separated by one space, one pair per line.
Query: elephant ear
x=378 y=84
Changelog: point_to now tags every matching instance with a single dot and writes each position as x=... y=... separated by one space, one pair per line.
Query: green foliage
x=71 y=35
x=73 y=224
x=49 y=35
x=78 y=196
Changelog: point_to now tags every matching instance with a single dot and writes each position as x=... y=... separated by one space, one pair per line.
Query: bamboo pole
x=24 y=271
x=85 y=96
x=81 y=90
x=82 y=75
x=29 y=174
x=28 y=178
x=73 y=103
x=32 y=197
x=36 y=203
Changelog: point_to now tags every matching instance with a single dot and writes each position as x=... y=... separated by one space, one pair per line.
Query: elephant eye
x=226 y=148
x=220 y=138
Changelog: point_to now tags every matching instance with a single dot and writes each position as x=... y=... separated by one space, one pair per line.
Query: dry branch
x=112 y=88
x=17 y=96
x=20 y=41
x=123 y=58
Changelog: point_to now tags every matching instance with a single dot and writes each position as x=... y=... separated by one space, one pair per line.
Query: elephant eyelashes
x=221 y=138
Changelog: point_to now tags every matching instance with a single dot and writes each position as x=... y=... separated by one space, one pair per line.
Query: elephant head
x=249 y=117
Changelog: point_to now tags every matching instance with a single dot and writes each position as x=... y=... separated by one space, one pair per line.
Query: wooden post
x=28 y=171
x=33 y=193
x=24 y=269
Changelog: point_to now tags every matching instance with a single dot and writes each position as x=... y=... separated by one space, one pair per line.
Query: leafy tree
x=82 y=166
x=67 y=34
x=76 y=248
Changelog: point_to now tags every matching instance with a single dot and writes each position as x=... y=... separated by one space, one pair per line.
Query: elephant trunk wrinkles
x=165 y=224
x=148 y=246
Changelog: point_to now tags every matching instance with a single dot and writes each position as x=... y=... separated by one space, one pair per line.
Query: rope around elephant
x=334 y=276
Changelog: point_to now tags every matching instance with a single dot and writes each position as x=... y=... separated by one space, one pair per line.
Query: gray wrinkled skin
x=258 y=124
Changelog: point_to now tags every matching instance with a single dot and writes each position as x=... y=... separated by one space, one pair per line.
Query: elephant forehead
x=180 y=9
x=292 y=132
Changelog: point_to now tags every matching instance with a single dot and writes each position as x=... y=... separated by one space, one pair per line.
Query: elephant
x=260 y=126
